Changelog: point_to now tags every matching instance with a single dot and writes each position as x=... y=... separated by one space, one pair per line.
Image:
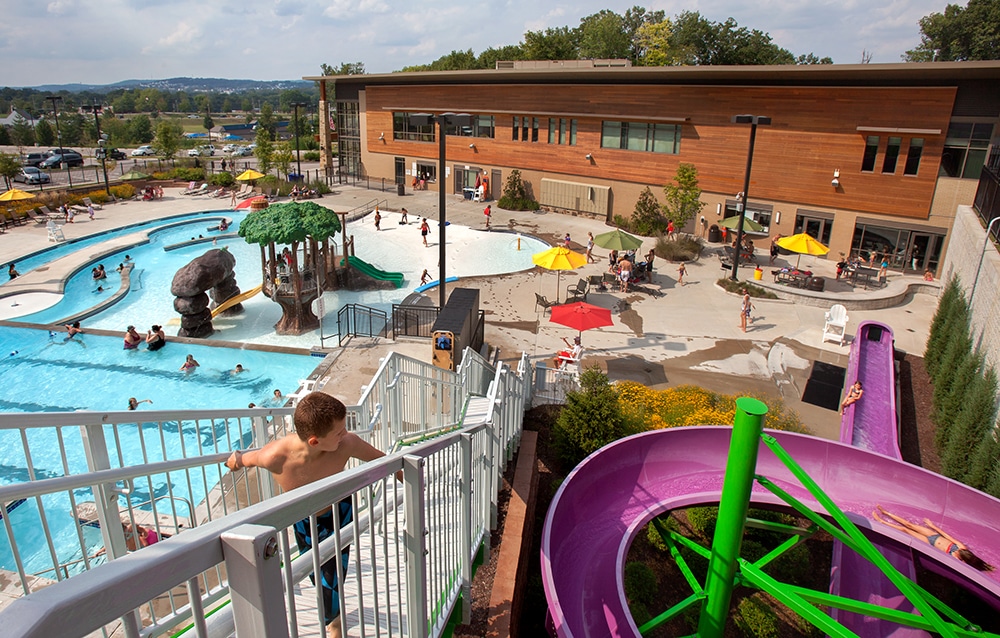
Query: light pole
x=443 y=120
x=754 y=121
x=102 y=143
x=295 y=129
x=982 y=254
x=55 y=114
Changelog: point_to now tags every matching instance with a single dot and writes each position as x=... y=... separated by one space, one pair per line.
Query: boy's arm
x=364 y=451
x=263 y=457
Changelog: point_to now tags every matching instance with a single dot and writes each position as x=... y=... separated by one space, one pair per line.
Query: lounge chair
x=201 y=190
x=191 y=187
x=88 y=202
x=543 y=302
x=250 y=191
x=45 y=210
x=41 y=221
x=16 y=219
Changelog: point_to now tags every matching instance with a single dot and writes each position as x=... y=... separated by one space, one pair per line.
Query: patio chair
x=543 y=302
x=835 y=328
x=45 y=210
x=88 y=202
x=201 y=190
x=577 y=291
x=191 y=187
x=247 y=192
x=41 y=221
x=16 y=219
x=55 y=231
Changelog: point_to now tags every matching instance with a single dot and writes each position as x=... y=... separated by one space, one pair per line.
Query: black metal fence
x=355 y=320
x=413 y=321
x=987 y=201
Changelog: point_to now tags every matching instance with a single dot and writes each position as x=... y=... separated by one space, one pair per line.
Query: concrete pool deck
x=689 y=334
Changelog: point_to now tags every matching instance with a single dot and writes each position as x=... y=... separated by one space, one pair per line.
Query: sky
x=106 y=41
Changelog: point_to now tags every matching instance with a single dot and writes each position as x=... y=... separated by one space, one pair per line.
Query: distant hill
x=193 y=85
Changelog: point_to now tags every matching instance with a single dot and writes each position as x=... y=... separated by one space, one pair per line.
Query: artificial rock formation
x=212 y=272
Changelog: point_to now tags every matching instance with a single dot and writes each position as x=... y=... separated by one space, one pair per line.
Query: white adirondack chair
x=835 y=328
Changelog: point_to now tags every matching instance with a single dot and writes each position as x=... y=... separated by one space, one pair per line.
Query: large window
x=965 y=149
x=641 y=136
x=525 y=129
x=480 y=126
x=349 y=138
x=425 y=171
x=403 y=129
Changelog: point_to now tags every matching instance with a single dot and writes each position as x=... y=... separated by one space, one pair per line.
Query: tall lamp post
x=754 y=121
x=55 y=114
x=295 y=129
x=103 y=147
x=443 y=120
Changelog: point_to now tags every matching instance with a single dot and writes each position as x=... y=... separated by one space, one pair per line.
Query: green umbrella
x=748 y=224
x=617 y=239
x=133 y=174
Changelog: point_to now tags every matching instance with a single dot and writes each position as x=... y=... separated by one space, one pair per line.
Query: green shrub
x=756 y=619
x=653 y=534
x=949 y=390
x=640 y=613
x=516 y=195
x=311 y=156
x=319 y=186
x=974 y=423
x=222 y=178
x=950 y=304
x=752 y=550
x=794 y=566
x=702 y=520
x=683 y=248
x=590 y=419
x=737 y=287
x=622 y=222
x=640 y=583
x=187 y=174
x=123 y=191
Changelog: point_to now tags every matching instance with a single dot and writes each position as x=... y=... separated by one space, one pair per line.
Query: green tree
x=22 y=133
x=971 y=452
x=602 y=35
x=345 y=68
x=590 y=419
x=683 y=196
x=949 y=391
x=952 y=310
x=811 y=58
x=647 y=218
x=71 y=128
x=207 y=123
x=652 y=43
x=551 y=44
x=488 y=59
x=124 y=103
x=168 y=138
x=634 y=20
x=44 y=133
x=10 y=165
x=266 y=121
x=515 y=194
x=282 y=157
x=140 y=129
x=265 y=150
x=960 y=33
x=5 y=138
x=703 y=42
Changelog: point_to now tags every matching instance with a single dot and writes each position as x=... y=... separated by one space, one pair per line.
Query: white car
x=206 y=149
x=143 y=150
x=229 y=148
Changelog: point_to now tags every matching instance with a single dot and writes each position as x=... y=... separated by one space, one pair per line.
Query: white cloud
x=60 y=7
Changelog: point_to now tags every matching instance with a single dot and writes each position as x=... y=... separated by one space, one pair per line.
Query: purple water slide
x=872 y=424
x=608 y=498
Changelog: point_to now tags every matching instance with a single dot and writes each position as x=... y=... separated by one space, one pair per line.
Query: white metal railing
x=408 y=565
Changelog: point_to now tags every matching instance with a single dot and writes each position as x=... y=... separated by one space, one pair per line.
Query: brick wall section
x=965 y=249
x=512 y=565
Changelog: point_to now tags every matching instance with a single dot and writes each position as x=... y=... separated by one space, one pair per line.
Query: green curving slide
x=376 y=273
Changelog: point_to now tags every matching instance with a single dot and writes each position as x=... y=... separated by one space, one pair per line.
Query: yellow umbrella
x=559 y=259
x=802 y=244
x=249 y=174
x=15 y=194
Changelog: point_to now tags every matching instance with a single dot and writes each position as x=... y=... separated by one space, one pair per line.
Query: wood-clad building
x=906 y=142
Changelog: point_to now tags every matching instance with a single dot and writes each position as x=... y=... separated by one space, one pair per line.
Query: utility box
x=456 y=328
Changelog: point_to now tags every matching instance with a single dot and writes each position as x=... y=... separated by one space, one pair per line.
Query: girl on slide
x=935 y=536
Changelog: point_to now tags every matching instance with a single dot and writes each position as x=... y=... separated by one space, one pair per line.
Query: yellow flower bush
x=691 y=405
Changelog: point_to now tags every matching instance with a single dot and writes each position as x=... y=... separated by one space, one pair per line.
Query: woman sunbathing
x=935 y=537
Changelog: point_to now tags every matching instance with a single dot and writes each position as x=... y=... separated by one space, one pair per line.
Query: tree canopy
x=959 y=34
x=289 y=222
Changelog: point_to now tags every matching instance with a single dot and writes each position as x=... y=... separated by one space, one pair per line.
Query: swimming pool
x=396 y=249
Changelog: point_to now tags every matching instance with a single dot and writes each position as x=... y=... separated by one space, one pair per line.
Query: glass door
x=400 y=170
x=925 y=252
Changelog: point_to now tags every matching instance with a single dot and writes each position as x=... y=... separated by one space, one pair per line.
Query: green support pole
x=740 y=468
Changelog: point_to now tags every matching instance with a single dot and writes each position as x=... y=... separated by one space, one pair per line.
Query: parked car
x=243 y=151
x=33 y=159
x=32 y=175
x=143 y=150
x=204 y=149
x=229 y=148
x=58 y=151
x=69 y=158
x=116 y=154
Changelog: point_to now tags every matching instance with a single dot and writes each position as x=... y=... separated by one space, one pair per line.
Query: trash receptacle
x=401 y=188
x=817 y=284
x=713 y=234
x=758 y=274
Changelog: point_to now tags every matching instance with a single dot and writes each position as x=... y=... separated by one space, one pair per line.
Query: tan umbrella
x=558 y=258
x=249 y=175
x=15 y=194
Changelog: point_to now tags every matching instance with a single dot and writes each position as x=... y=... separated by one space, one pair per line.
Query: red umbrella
x=246 y=203
x=581 y=316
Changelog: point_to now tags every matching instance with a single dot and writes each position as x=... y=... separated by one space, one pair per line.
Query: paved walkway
x=684 y=334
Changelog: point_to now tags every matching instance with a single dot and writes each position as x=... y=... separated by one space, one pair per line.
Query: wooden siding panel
x=814 y=132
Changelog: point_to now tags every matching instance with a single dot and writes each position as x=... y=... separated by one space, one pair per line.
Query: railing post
x=264 y=479
x=465 y=536
x=735 y=501
x=415 y=543
x=95 y=448
x=253 y=567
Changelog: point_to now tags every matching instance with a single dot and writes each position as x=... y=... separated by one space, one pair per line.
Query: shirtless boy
x=319 y=447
